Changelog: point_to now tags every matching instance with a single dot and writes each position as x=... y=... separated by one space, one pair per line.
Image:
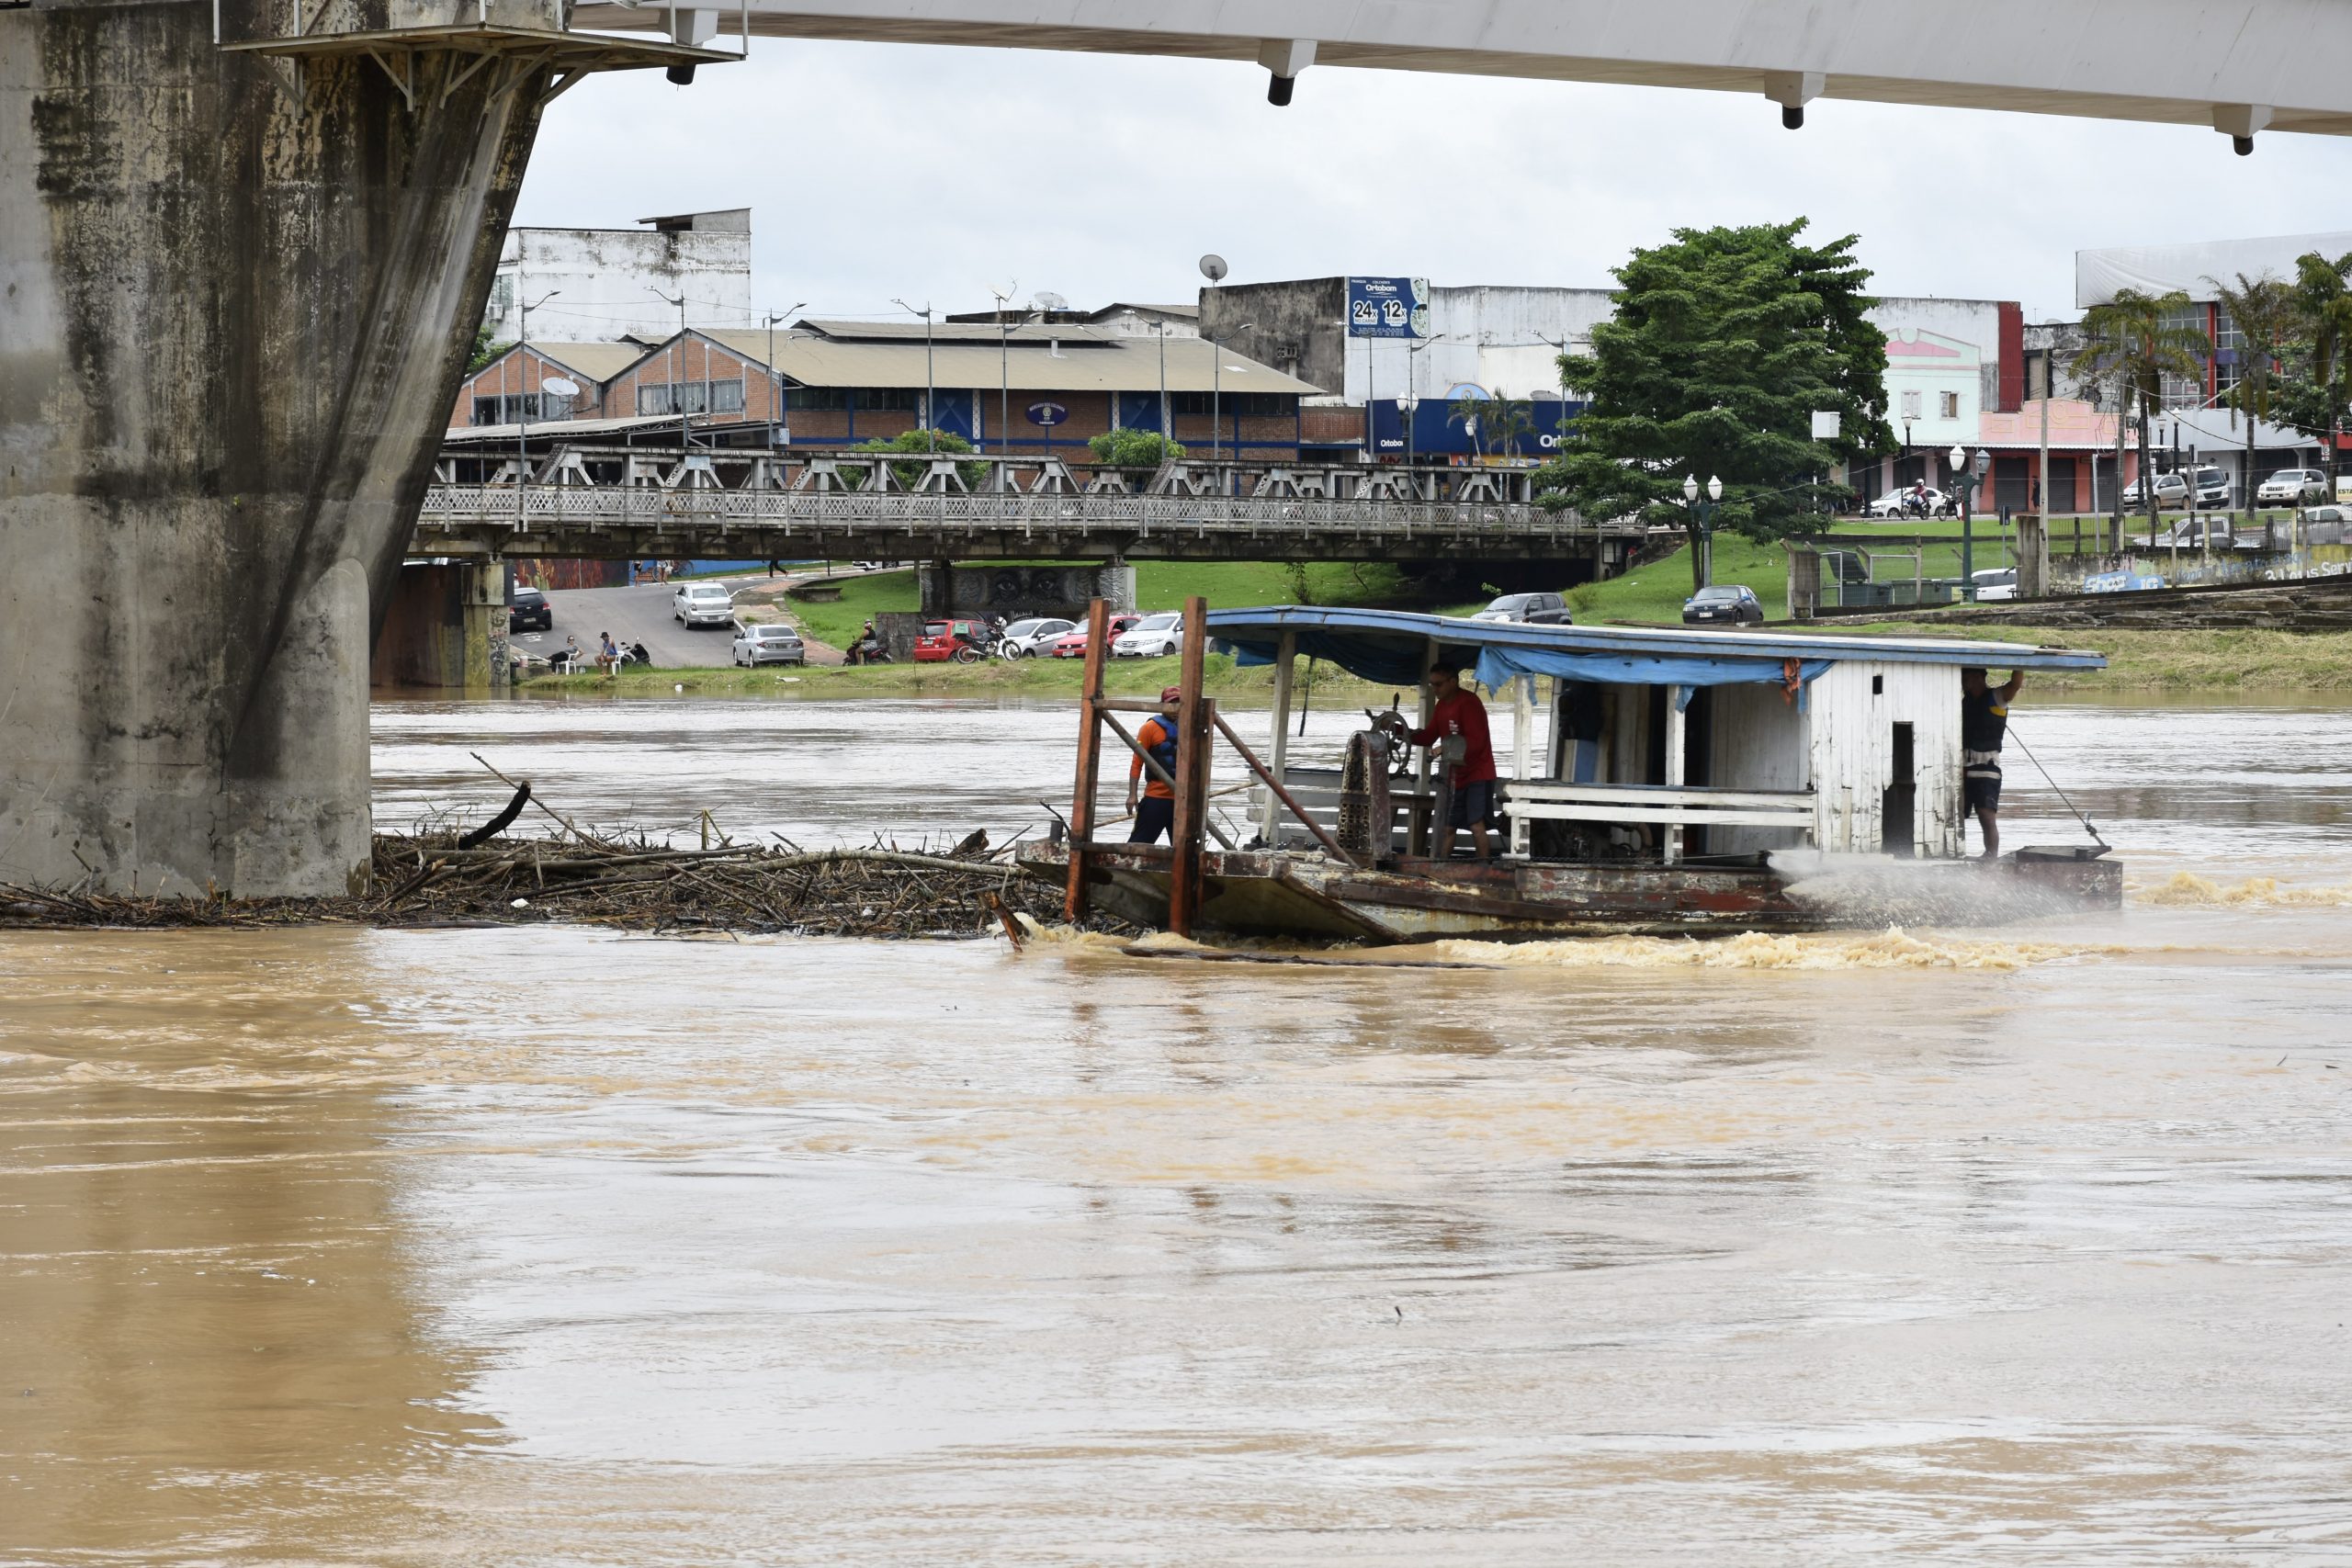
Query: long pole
x=522 y=381
x=930 y=388
x=2042 y=473
x=1167 y=431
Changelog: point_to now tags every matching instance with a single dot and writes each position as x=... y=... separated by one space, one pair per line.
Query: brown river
x=550 y=1245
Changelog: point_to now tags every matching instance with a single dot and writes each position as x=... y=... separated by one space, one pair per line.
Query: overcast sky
x=933 y=173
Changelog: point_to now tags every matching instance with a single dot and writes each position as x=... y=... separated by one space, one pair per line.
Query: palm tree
x=2263 y=309
x=1509 y=420
x=2140 y=339
x=1469 y=411
x=2323 y=305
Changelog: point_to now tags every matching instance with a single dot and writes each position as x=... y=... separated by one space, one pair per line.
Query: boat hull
x=1293 y=895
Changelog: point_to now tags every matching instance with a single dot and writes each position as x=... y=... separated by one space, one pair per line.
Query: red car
x=944 y=640
x=1072 y=645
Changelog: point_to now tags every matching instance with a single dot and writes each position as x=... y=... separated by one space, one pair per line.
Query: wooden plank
x=1089 y=755
x=1678 y=740
x=1657 y=794
x=1394 y=895
x=1675 y=816
x=1191 y=805
x=1285 y=665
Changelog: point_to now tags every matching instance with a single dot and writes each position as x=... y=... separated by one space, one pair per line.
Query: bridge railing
x=448 y=506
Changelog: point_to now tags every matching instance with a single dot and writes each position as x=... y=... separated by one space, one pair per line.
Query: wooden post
x=1677 y=763
x=1191 y=744
x=1090 y=754
x=1522 y=721
x=1285 y=663
x=1420 y=831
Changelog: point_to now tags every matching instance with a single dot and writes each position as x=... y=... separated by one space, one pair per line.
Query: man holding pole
x=1155 y=814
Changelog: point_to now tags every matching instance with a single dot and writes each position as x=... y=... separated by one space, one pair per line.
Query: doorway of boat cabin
x=1898 y=803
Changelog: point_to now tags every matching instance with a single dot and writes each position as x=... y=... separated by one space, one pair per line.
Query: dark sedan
x=1725 y=604
x=529 y=611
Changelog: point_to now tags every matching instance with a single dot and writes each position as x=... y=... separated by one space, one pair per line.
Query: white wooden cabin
x=1711 y=744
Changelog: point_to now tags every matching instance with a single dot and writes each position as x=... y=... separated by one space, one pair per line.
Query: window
x=1231 y=405
x=1911 y=405
x=507 y=408
x=690 y=397
x=816 y=400
x=727 y=397
x=502 y=298
x=1947 y=405
x=889 y=399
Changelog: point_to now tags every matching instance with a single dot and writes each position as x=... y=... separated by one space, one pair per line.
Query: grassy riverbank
x=1046 y=679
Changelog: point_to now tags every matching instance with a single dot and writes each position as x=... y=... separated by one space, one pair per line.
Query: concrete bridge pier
x=446 y=626
x=238 y=289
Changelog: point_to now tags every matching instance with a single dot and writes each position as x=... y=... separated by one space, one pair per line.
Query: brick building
x=1024 y=389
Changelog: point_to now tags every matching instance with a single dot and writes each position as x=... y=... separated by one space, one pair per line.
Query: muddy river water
x=551 y=1246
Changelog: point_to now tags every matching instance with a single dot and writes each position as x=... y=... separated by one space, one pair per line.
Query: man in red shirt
x=1459 y=712
x=1156 y=814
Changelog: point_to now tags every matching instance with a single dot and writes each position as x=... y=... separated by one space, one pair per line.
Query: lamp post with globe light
x=1965 y=478
x=1703 y=514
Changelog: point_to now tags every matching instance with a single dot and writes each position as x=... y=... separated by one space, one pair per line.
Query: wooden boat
x=1725 y=781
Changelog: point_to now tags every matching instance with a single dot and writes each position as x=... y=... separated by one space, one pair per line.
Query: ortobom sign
x=1389 y=307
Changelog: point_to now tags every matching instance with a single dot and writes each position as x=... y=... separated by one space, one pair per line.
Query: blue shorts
x=1472 y=803
x=1980 y=793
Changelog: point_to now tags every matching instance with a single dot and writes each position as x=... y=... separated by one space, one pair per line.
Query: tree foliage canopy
x=1130 y=449
x=1724 y=343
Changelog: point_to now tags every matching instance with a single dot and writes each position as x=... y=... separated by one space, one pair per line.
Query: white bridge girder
x=2228 y=64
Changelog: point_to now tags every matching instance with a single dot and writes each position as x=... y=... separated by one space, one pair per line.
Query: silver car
x=768 y=643
x=702 y=604
x=1026 y=639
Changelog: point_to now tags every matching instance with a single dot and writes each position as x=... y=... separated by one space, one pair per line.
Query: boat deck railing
x=1557 y=800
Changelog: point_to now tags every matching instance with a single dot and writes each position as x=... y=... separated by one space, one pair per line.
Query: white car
x=702 y=604
x=2172 y=491
x=1895 y=504
x=768 y=642
x=2293 y=486
x=1999 y=583
x=1154 y=637
x=1026 y=639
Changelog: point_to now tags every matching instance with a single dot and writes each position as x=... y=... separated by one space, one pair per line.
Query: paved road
x=642 y=614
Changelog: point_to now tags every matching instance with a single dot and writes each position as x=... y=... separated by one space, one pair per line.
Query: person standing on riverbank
x=1983 y=725
x=1155 y=813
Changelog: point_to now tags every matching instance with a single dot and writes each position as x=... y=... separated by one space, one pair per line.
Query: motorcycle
x=869 y=650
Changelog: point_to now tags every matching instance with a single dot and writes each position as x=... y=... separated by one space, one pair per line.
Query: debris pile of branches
x=436 y=877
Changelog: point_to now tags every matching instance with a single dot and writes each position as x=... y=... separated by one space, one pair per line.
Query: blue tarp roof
x=1388 y=645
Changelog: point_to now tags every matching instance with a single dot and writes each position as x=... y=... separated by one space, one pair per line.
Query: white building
x=611 y=283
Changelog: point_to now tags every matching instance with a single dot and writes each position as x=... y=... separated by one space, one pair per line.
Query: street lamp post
x=778 y=434
x=1702 y=514
x=677 y=369
x=1413 y=351
x=522 y=409
x=929 y=391
x=1964 y=480
x=1167 y=427
x=1406 y=405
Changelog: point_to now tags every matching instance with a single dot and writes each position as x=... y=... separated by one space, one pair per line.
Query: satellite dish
x=1047 y=301
x=1213 y=267
x=561 y=386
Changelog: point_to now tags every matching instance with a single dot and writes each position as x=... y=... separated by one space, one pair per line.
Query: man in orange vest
x=1156 y=812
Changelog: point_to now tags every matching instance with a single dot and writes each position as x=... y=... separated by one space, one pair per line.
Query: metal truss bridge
x=588 y=503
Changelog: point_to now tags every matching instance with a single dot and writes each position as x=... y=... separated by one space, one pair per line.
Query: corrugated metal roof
x=571 y=428
x=599 y=362
x=1105 y=365
x=1263 y=624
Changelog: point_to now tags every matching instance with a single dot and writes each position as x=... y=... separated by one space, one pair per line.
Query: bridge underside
x=2224 y=64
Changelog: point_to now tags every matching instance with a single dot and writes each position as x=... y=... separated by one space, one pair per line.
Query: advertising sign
x=1048 y=414
x=1389 y=307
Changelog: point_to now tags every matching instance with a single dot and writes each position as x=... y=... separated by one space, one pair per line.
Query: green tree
x=2316 y=395
x=486 y=348
x=1126 y=448
x=1470 y=413
x=1724 y=344
x=1508 y=422
x=2138 y=339
x=2263 y=309
x=920 y=443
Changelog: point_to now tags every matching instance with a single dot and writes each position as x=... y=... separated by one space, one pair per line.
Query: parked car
x=2172 y=493
x=2190 y=533
x=2293 y=486
x=1534 y=609
x=530 y=610
x=960 y=640
x=702 y=604
x=1072 y=644
x=1724 y=602
x=1897 y=504
x=768 y=643
x=1026 y=639
x=873 y=565
x=2327 y=526
x=2211 y=487
x=1998 y=583
x=1151 y=637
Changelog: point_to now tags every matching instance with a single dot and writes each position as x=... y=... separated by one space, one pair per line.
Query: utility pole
x=930 y=391
x=1167 y=427
x=678 y=370
x=778 y=433
x=522 y=380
